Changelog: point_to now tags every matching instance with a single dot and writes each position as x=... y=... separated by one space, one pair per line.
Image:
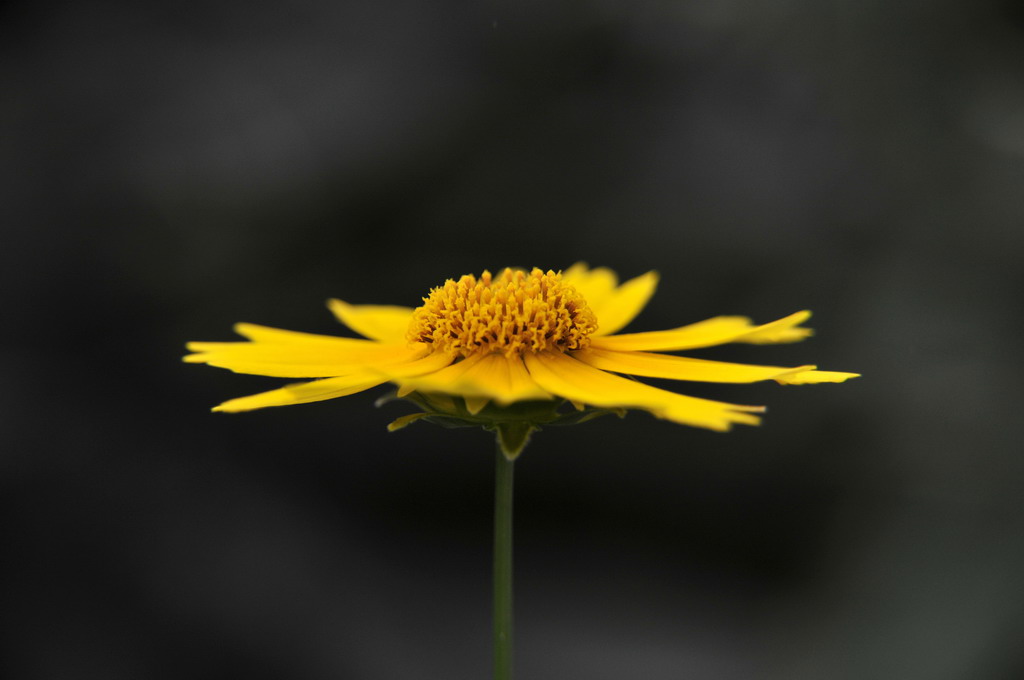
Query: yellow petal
x=812 y=377
x=305 y=361
x=329 y=388
x=595 y=285
x=565 y=376
x=441 y=380
x=684 y=368
x=279 y=336
x=476 y=404
x=432 y=363
x=784 y=330
x=503 y=379
x=612 y=304
x=716 y=331
x=285 y=339
x=624 y=303
x=493 y=376
x=387 y=323
x=302 y=393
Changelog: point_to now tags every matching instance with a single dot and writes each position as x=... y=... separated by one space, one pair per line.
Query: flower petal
x=683 y=368
x=279 y=336
x=301 y=393
x=432 y=363
x=813 y=377
x=566 y=377
x=716 y=331
x=265 y=336
x=312 y=360
x=624 y=303
x=612 y=304
x=476 y=404
x=503 y=379
x=442 y=380
x=780 y=331
x=494 y=376
x=595 y=285
x=387 y=323
x=329 y=388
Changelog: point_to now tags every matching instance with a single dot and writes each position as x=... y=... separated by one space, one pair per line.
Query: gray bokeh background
x=167 y=171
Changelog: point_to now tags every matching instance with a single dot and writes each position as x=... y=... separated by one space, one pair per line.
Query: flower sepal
x=512 y=424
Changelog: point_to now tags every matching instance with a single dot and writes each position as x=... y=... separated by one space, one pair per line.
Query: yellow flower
x=515 y=337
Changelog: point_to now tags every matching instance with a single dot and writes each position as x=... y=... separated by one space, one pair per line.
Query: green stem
x=503 y=567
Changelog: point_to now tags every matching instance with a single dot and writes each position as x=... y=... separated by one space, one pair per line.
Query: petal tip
x=246 y=330
x=812 y=377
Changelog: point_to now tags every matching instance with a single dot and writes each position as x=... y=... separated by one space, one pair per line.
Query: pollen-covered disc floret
x=512 y=313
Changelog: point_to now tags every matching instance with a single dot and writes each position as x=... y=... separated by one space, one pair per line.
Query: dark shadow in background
x=168 y=171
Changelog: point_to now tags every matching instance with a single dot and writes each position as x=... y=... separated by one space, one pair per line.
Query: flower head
x=514 y=314
x=479 y=346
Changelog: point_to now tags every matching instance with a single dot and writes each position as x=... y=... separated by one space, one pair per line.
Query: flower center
x=513 y=313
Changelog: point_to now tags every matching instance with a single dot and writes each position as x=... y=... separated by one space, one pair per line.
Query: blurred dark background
x=167 y=170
